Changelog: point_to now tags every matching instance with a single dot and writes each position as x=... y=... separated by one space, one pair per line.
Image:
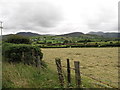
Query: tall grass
x=24 y=76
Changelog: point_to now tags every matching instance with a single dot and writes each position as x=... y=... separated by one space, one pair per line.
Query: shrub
x=111 y=42
x=66 y=41
x=13 y=52
x=18 y=39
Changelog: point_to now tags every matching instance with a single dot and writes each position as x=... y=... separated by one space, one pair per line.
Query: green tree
x=66 y=41
x=18 y=39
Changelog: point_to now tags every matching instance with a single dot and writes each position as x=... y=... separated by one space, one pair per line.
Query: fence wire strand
x=104 y=83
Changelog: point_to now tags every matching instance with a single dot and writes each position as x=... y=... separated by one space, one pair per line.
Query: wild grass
x=24 y=76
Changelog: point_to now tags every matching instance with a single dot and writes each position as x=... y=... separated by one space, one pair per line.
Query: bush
x=13 y=53
x=18 y=39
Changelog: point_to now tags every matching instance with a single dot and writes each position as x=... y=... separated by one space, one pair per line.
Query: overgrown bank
x=26 y=76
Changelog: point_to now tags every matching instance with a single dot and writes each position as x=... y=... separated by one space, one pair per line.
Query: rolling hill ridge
x=73 y=34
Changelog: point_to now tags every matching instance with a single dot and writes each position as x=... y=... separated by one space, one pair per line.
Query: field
x=100 y=63
x=74 y=41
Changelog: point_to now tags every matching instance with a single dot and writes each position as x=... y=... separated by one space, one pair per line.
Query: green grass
x=24 y=76
x=56 y=39
x=44 y=41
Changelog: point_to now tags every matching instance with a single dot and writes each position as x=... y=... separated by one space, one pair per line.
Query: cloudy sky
x=59 y=16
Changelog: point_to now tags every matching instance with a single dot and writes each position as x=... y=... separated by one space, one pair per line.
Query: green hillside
x=84 y=40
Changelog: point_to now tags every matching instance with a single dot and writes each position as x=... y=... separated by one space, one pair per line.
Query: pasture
x=100 y=63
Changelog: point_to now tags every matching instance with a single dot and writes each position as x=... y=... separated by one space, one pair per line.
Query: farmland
x=97 y=62
x=74 y=41
x=100 y=63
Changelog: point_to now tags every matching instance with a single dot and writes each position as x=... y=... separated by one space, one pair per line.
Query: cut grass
x=100 y=63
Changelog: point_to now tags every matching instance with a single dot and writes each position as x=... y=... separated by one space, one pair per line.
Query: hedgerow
x=13 y=52
x=18 y=39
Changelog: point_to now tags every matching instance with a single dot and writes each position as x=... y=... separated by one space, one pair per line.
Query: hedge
x=13 y=52
x=17 y=39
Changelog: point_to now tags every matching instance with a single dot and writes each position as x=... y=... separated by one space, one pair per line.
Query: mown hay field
x=100 y=63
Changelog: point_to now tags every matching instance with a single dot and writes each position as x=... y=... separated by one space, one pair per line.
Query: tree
x=111 y=42
x=18 y=39
x=66 y=41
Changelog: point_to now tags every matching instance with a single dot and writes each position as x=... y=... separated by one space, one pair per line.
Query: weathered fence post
x=77 y=73
x=38 y=63
x=23 y=57
x=60 y=73
x=68 y=72
x=33 y=57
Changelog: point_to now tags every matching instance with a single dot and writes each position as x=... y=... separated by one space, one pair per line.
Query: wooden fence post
x=23 y=57
x=77 y=74
x=60 y=73
x=68 y=72
x=33 y=57
x=38 y=63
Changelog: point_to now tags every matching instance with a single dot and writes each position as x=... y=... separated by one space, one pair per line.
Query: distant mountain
x=48 y=35
x=107 y=35
x=74 y=34
x=28 y=34
x=96 y=33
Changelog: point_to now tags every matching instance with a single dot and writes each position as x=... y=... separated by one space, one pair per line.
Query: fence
x=36 y=60
x=78 y=74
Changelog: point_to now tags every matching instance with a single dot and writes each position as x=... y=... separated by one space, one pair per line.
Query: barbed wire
x=104 y=83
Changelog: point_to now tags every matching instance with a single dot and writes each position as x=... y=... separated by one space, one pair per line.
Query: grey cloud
x=104 y=21
x=43 y=17
x=119 y=16
x=32 y=16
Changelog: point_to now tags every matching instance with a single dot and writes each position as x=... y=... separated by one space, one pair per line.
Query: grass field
x=100 y=63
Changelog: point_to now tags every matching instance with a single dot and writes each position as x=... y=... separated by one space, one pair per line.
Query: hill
x=73 y=34
x=28 y=34
x=108 y=35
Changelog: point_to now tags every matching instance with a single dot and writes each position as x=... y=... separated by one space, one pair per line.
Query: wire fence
x=100 y=82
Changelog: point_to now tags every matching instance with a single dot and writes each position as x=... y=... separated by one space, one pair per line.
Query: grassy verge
x=24 y=76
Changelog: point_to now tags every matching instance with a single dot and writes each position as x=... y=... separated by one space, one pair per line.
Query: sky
x=58 y=16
